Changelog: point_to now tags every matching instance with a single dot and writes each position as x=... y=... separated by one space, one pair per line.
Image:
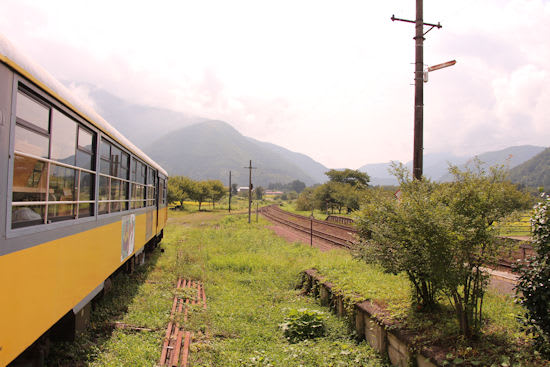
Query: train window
x=29 y=179
x=28 y=215
x=115 y=195
x=85 y=151
x=28 y=141
x=115 y=161
x=85 y=140
x=33 y=112
x=105 y=155
x=86 y=193
x=84 y=160
x=63 y=138
x=104 y=190
x=53 y=162
x=124 y=162
x=62 y=189
x=124 y=195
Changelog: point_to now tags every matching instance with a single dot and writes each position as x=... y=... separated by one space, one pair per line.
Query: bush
x=303 y=324
x=442 y=235
x=534 y=283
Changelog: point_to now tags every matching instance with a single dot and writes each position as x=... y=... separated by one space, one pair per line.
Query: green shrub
x=534 y=283
x=303 y=324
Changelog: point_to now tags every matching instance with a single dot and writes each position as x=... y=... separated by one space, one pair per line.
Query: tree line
x=344 y=189
x=181 y=188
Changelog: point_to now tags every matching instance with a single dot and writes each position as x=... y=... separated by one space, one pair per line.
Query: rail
x=276 y=214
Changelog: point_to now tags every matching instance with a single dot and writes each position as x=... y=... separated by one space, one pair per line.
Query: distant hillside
x=139 y=123
x=208 y=150
x=535 y=172
x=313 y=168
x=509 y=157
x=436 y=165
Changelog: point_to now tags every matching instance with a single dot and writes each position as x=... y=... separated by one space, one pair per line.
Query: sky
x=330 y=79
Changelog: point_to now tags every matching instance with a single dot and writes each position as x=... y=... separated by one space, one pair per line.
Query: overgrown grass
x=250 y=278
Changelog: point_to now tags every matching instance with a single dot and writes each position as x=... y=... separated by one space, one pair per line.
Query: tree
x=355 y=178
x=305 y=200
x=180 y=188
x=259 y=192
x=234 y=189
x=216 y=190
x=442 y=235
x=533 y=285
x=297 y=186
x=200 y=193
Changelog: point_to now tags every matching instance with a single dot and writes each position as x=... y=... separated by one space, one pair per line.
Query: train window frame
x=22 y=85
x=126 y=202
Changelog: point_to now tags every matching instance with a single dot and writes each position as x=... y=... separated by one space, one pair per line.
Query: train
x=78 y=201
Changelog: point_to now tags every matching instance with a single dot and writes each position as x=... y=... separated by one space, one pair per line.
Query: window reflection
x=28 y=141
x=23 y=216
x=57 y=212
x=32 y=112
x=85 y=139
x=63 y=137
x=29 y=179
x=62 y=184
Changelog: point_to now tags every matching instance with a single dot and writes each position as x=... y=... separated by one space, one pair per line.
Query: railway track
x=344 y=236
x=335 y=234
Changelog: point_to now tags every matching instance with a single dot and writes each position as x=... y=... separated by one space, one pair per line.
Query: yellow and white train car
x=77 y=201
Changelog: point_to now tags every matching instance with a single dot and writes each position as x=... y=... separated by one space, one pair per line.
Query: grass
x=518 y=226
x=250 y=277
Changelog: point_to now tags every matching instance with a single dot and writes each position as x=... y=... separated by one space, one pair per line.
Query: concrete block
x=398 y=351
x=324 y=295
x=422 y=361
x=359 y=323
x=375 y=335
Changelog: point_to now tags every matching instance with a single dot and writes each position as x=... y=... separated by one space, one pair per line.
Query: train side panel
x=44 y=282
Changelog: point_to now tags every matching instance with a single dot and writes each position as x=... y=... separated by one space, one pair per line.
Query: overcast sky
x=331 y=79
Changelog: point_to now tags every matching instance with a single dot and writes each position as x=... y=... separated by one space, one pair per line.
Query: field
x=250 y=277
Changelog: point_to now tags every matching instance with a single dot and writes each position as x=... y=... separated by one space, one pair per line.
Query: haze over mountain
x=436 y=165
x=212 y=148
x=209 y=150
x=139 y=123
x=535 y=172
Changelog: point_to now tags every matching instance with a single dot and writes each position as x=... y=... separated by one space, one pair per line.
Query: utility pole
x=250 y=168
x=230 y=190
x=418 y=86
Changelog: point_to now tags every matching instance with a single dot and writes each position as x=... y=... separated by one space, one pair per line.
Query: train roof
x=15 y=59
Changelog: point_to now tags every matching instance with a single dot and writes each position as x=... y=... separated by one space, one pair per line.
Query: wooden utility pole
x=418 y=86
x=230 y=191
x=250 y=168
x=418 y=93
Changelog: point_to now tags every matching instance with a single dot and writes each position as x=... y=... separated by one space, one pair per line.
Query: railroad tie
x=177 y=340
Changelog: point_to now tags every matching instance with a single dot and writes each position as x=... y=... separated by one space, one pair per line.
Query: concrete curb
x=369 y=324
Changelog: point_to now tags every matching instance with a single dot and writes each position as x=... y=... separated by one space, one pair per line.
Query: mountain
x=134 y=121
x=509 y=157
x=535 y=172
x=209 y=150
x=436 y=165
x=313 y=168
